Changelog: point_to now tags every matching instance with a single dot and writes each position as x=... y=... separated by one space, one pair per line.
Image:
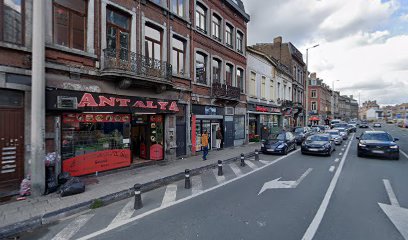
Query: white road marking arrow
x=274 y=184
x=397 y=214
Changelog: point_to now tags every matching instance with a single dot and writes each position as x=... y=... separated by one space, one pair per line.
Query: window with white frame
x=216 y=70
x=271 y=90
x=178 y=7
x=314 y=106
x=240 y=40
x=201 y=67
x=240 y=79
x=216 y=27
x=201 y=18
x=178 y=56
x=314 y=94
x=252 y=84
x=228 y=35
x=229 y=78
x=263 y=86
x=153 y=42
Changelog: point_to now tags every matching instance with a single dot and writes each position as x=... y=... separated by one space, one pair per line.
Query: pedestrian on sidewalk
x=218 y=138
x=204 y=144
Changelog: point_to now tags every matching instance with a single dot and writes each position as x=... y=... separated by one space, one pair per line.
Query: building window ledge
x=72 y=51
x=201 y=84
x=14 y=46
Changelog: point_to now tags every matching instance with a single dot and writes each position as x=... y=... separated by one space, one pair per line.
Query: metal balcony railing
x=136 y=64
x=225 y=91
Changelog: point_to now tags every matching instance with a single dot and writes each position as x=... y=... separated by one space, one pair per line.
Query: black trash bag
x=63 y=177
x=71 y=187
x=51 y=180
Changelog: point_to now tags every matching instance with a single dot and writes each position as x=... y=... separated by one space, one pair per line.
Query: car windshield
x=376 y=136
x=333 y=133
x=280 y=136
x=318 y=138
x=299 y=130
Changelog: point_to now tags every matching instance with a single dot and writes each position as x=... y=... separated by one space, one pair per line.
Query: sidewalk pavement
x=23 y=215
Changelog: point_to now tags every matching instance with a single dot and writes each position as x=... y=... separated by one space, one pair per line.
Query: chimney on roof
x=277 y=40
x=313 y=75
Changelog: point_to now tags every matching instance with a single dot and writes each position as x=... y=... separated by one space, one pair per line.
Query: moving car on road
x=301 y=133
x=363 y=124
x=377 y=143
x=377 y=125
x=343 y=133
x=335 y=136
x=280 y=143
x=318 y=144
x=352 y=127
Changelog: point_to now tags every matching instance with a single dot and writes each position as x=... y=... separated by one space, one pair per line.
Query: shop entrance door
x=12 y=149
x=214 y=127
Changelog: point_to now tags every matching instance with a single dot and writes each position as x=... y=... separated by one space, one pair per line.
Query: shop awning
x=314 y=118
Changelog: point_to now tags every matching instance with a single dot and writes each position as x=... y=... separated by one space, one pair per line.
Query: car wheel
x=396 y=157
x=329 y=153
x=303 y=153
x=285 y=152
x=359 y=154
x=294 y=147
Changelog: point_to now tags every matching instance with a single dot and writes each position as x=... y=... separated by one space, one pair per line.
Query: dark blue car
x=280 y=143
x=377 y=144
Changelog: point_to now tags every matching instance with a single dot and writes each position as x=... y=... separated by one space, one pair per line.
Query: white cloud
x=356 y=44
x=404 y=17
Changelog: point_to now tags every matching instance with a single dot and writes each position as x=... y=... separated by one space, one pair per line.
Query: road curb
x=38 y=221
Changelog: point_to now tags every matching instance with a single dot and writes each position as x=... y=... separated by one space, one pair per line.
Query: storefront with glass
x=100 y=132
x=263 y=121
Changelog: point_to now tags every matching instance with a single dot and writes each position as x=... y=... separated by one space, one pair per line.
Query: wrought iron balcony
x=225 y=91
x=136 y=65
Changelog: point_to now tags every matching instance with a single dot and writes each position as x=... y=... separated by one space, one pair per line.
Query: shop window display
x=95 y=142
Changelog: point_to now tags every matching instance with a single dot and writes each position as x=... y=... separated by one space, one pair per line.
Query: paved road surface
x=312 y=197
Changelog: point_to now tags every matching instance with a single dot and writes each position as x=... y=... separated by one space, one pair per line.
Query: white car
x=335 y=136
x=377 y=125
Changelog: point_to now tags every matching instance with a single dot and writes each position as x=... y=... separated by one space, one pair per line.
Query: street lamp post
x=307 y=84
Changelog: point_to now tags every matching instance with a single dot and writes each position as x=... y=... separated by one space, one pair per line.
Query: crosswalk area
x=116 y=213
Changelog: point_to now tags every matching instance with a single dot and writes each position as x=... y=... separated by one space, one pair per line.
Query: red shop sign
x=97 y=162
x=261 y=109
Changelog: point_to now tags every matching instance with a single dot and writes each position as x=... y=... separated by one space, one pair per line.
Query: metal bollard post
x=256 y=155
x=242 y=160
x=187 y=183
x=220 y=173
x=138 y=197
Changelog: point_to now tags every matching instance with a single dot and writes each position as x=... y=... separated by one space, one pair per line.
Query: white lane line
x=170 y=195
x=126 y=213
x=340 y=154
x=196 y=185
x=220 y=179
x=331 y=169
x=342 y=149
x=264 y=162
x=72 y=228
x=390 y=192
x=314 y=225
x=107 y=229
x=235 y=169
x=403 y=153
x=337 y=160
x=301 y=177
x=251 y=165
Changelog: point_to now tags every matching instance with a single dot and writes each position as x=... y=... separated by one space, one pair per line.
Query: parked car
x=301 y=133
x=280 y=143
x=377 y=143
x=377 y=125
x=334 y=121
x=322 y=128
x=318 y=144
x=335 y=136
x=343 y=133
x=352 y=127
x=341 y=125
x=363 y=125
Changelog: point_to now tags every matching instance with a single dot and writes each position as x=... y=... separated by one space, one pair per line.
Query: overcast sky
x=363 y=43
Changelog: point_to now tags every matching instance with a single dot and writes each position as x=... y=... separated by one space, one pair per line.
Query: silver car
x=335 y=136
x=343 y=133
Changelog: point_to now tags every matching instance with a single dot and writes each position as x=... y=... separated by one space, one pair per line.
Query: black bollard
x=138 y=197
x=187 y=183
x=256 y=155
x=220 y=173
x=242 y=160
